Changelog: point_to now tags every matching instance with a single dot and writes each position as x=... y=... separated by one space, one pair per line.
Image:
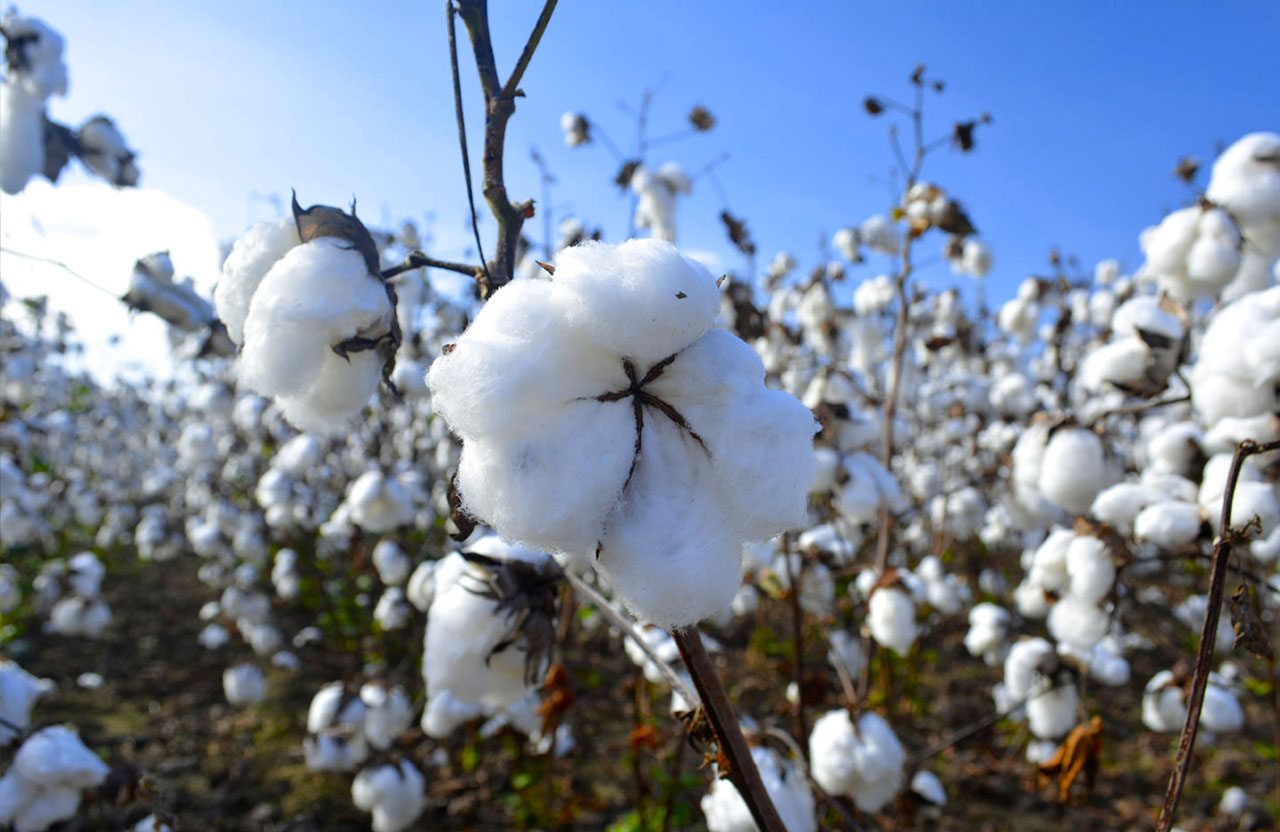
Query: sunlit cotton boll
x=392 y=793
x=392 y=563
x=864 y=762
x=787 y=786
x=544 y=389
x=379 y=503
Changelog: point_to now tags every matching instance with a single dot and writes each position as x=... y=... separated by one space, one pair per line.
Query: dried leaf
x=1250 y=634
x=1079 y=753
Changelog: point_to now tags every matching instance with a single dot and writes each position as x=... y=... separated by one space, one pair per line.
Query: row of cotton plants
x=420 y=484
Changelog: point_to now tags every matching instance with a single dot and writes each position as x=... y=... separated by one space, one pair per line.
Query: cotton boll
x=786 y=785
x=873 y=296
x=1022 y=667
x=420 y=589
x=576 y=128
x=391 y=562
x=865 y=763
x=213 y=636
x=1222 y=712
x=56 y=756
x=1077 y=622
x=846 y=240
x=392 y=793
x=988 y=632
x=891 y=617
x=1234 y=801
x=392 y=612
x=105 y=152
x=314 y=297
x=1229 y=432
x=1119 y=505
x=463 y=630
x=19 y=691
x=1245 y=181
x=1252 y=499
x=444 y=713
x=846 y=651
x=21 y=137
x=1090 y=569
x=244 y=684
x=1168 y=524
x=976 y=258
x=75 y=616
x=334 y=706
x=928 y=786
x=880 y=234
x=251 y=257
x=1072 y=469
x=388 y=716
x=1163 y=708
x=379 y=503
x=1052 y=714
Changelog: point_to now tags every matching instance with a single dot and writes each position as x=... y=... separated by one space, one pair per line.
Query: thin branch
x=742 y=768
x=418 y=260
x=462 y=137
x=797 y=631
x=512 y=87
x=62 y=266
x=1208 y=635
x=1141 y=407
x=629 y=629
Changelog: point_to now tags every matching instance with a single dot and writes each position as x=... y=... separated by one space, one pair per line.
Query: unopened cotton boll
x=786 y=785
x=394 y=794
x=863 y=762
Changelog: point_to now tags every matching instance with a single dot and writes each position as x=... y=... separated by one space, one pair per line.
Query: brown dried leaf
x=1079 y=753
x=1250 y=634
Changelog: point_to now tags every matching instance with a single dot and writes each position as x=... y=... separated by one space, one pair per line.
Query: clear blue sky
x=1093 y=104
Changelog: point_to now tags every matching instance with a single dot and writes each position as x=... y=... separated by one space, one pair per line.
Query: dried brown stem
x=418 y=260
x=1208 y=635
x=742 y=768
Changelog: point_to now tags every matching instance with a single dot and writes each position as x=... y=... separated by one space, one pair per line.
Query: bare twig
x=797 y=631
x=742 y=768
x=462 y=139
x=1208 y=635
x=62 y=266
x=500 y=104
x=629 y=629
x=418 y=260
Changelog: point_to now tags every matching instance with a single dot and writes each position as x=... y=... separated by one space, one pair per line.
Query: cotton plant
x=304 y=299
x=603 y=418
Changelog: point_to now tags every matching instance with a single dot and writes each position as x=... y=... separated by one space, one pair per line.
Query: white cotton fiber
x=1245 y=181
x=863 y=762
x=891 y=617
x=1072 y=469
x=251 y=257
x=319 y=294
x=1169 y=523
x=394 y=794
x=1052 y=714
x=1120 y=504
x=1090 y=568
x=21 y=137
x=628 y=298
x=787 y=788
x=1078 y=622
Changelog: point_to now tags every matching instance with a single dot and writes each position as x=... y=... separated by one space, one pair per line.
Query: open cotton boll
x=317 y=295
x=1052 y=713
x=333 y=705
x=976 y=258
x=244 y=684
x=891 y=617
x=1078 y=622
x=873 y=296
x=641 y=299
x=1222 y=712
x=1168 y=524
x=379 y=503
x=35 y=56
x=864 y=762
x=1120 y=504
x=786 y=785
x=389 y=714
x=57 y=756
x=1252 y=499
x=879 y=234
x=988 y=632
x=75 y=616
x=391 y=562
x=392 y=793
x=464 y=630
x=1163 y=708
x=1236 y=368
x=927 y=785
x=1090 y=568
x=1245 y=181
x=104 y=150
x=251 y=257
x=1072 y=469
x=19 y=691
x=21 y=137
x=846 y=240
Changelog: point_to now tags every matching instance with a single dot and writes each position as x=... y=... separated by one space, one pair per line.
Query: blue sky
x=1093 y=103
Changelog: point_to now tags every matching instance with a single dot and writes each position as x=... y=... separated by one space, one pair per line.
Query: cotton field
x=612 y=539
